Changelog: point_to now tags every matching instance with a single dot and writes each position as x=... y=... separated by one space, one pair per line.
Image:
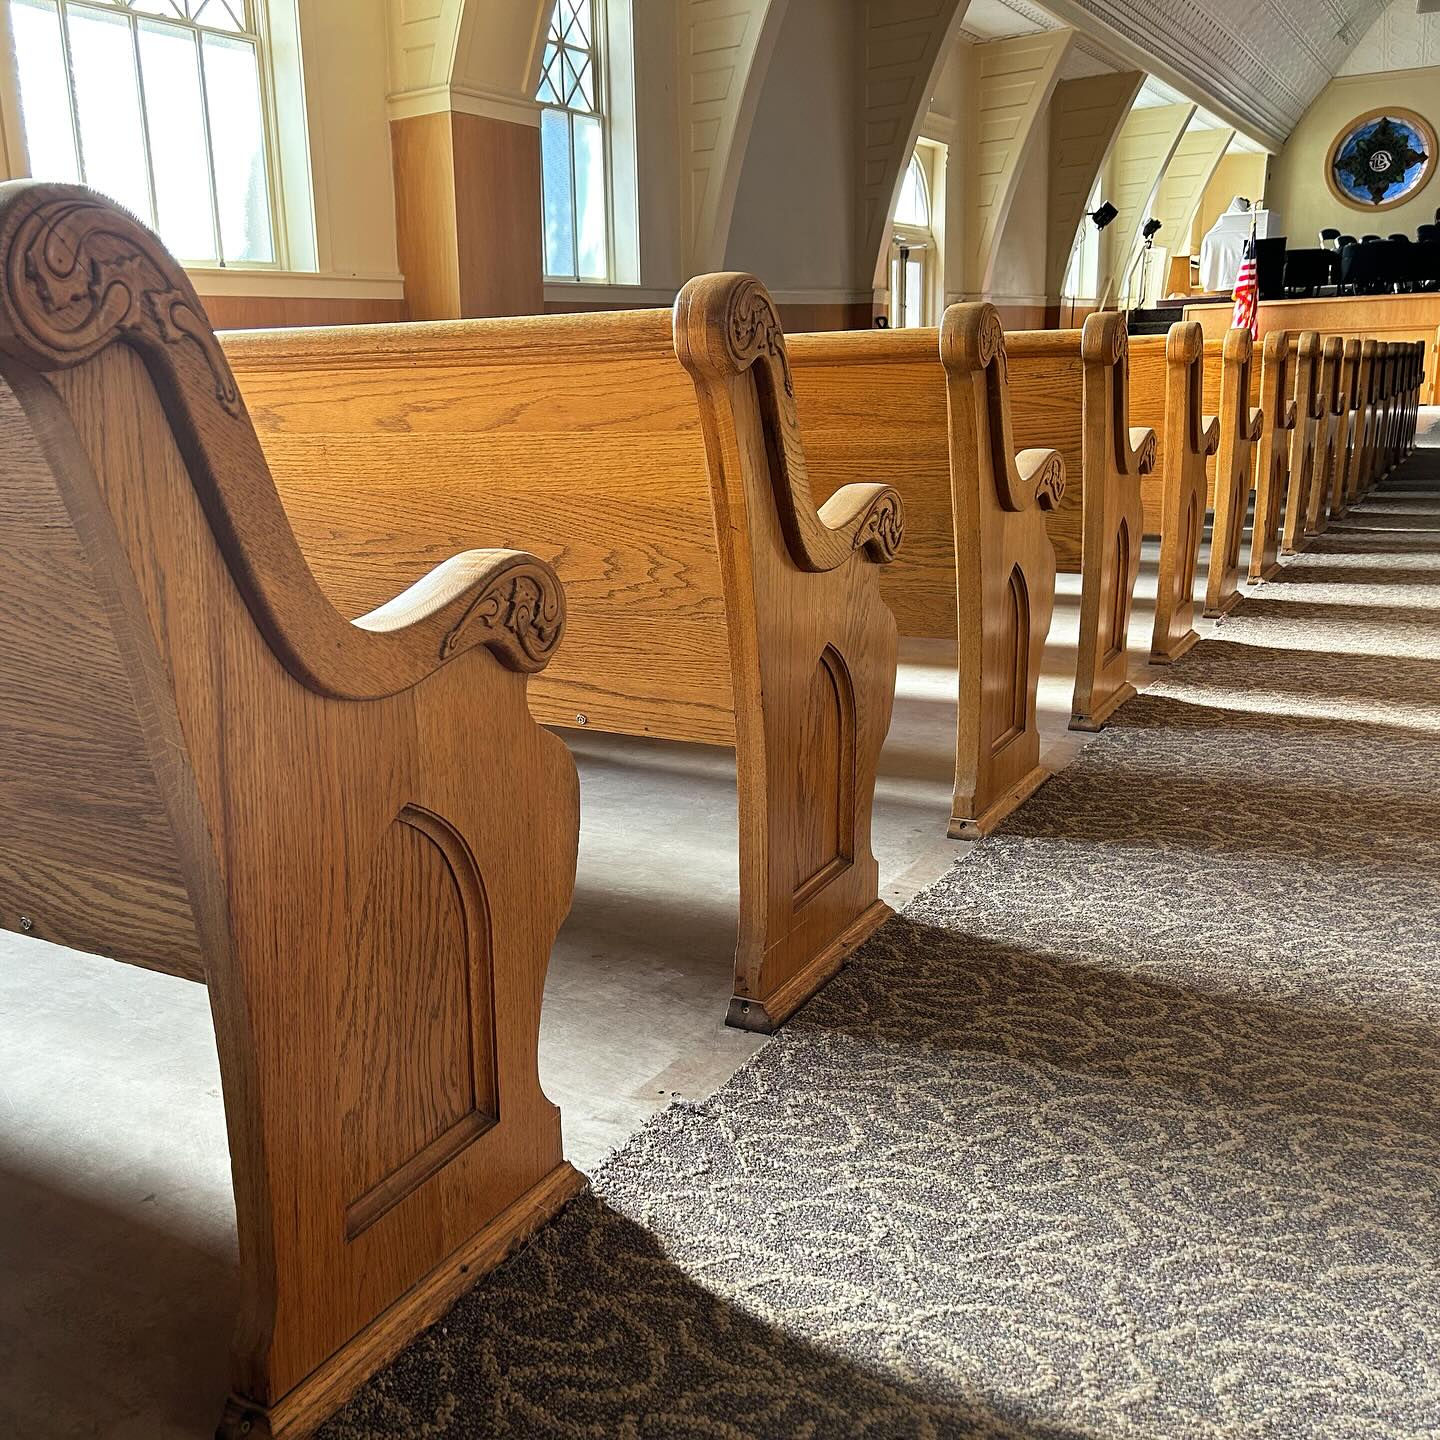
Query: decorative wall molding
x=1398 y=40
x=1011 y=82
x=1256 y=63
x=481 y=57
x=1139 y=159
x=725 y=50
x=1085 y=120
x=903 y=46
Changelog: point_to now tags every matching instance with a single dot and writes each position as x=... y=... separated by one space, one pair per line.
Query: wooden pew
x=1304 y=441
x=354 y=834
x=932 y=410
x=1272 y=466
x=1366 y=381
x=1344 y=447
x=1070 y=389
x=1167 y=389
x=1327 y=440
x=655 y=460
x=1228 y=384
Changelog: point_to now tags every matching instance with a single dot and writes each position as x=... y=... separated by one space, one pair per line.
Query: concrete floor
x=116 y=1218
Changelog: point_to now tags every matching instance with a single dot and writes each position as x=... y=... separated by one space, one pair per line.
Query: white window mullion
x=144 y=122
x=64 y=19
x=209 y=150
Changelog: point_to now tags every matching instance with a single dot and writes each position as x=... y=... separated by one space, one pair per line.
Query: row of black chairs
x=1367 y=265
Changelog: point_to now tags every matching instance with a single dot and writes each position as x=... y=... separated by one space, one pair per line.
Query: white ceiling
x=1260 y=61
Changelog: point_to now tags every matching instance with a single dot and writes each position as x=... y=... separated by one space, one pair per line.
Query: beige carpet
x=1128 y=1128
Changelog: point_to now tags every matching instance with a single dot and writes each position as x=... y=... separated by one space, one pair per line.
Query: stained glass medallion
x=1382 y=159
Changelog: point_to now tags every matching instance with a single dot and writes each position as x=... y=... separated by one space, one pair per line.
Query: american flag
x=1247 y=291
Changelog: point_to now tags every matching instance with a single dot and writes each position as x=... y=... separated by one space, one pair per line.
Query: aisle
x=1127 y=1128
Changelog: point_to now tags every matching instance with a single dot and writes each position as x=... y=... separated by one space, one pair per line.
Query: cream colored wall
x=1238 y=173
x=1018 y=277
x=792 y=223
x=345 y=53
x=1298 y=188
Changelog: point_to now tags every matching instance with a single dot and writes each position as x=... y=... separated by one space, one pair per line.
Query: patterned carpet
x=1128 y=1128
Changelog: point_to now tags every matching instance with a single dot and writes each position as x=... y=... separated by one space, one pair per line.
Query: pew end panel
x=814 y=653
x=1304 y=442
x=1345 y=429
x=1069 y=390
x=1168 y=390
x=1327 y=457
x=1005 y=571
x=1241 y=425
x=370 y=880
x=927 y=408
x=1277 y=382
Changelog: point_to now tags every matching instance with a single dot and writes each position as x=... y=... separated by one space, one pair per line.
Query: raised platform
x=1385 y=317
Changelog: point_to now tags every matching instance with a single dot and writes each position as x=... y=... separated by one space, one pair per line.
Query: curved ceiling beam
x=1140 y=158
x=725 y=50
x=1178 y=198
x=1086 y=115
x=1010 y=85
x=903 y=47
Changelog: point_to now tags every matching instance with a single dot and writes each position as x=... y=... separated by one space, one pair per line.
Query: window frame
x=258 y=32
x=600 y=41
x=926 y=238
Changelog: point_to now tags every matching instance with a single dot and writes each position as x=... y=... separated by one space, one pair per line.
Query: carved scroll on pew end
x=354 y=834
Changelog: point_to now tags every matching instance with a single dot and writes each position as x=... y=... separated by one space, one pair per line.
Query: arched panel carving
x=416 y=1062
x=1015 y=653
x=1119 y=627
x=825 y=775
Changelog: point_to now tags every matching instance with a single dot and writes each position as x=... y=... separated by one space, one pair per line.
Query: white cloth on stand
x=1222 y=250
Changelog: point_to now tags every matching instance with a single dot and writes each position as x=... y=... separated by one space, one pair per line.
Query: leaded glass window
x=160 y=104
x=572 y=144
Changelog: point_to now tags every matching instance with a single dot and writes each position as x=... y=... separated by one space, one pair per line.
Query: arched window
x=573 y=143
x=161 y=104
x=914 y=248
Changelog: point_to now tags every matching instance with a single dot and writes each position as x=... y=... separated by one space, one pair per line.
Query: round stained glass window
x=1381 y=159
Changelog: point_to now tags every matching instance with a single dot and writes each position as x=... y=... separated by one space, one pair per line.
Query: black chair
x=1425 y=260
x=1402 y=239
x=1329 y=239
x=1374 y=267
x=1369 y=239
x=1347 y=240
x=1270 y=268
x=1307 y=271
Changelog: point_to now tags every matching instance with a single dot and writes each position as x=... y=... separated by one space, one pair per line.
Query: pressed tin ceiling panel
x=1264 y=60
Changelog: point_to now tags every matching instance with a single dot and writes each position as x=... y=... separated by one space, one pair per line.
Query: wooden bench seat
x=354 y=834
x=1069 y=390
x=930 y=411
x=1230 y=365
x=1328 y=456
x=655 y=460
x=1167 y=392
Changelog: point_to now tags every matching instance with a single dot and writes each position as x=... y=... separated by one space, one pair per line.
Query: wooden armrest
x=1042 y=472
x=505 y=600
x=1257 y=423
x=1138 y=449
x=1209 y=438
x=867 y=515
